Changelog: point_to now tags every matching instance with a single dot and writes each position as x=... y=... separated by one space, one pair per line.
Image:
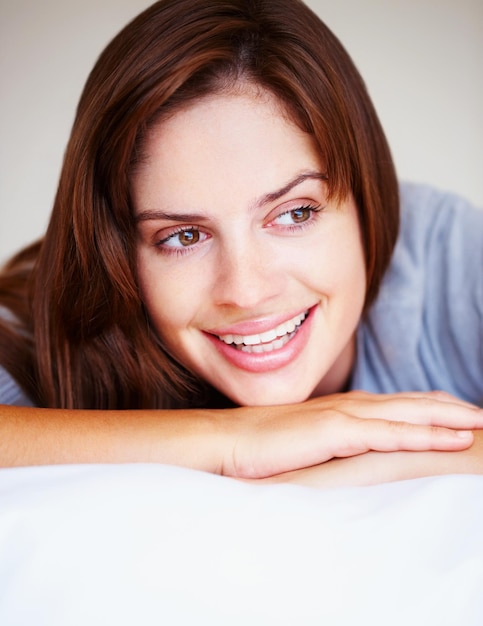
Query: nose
x=247 y=276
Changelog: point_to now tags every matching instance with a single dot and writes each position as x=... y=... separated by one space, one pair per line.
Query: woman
x=225 y=215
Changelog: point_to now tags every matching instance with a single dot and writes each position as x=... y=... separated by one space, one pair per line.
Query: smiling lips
x=273 y=339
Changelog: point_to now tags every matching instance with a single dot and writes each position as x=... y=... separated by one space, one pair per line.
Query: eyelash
x=297 y=227
x=181 y=251
x=171 y=250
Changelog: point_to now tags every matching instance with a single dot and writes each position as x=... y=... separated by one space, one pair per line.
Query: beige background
x=422 y=61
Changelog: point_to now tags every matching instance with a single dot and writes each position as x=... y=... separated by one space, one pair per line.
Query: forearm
x=30 y=436
x=247 y=442
x=382 y=467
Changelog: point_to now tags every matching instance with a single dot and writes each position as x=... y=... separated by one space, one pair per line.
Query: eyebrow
x=298 y=180
x=265 y=199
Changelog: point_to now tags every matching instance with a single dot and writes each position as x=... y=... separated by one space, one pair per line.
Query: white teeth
x=267 y=347
x=279 y=343
x=251 y=340
x=270 y=335
x=270 y=340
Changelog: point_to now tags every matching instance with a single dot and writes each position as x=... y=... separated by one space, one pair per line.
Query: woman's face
x=253 y=279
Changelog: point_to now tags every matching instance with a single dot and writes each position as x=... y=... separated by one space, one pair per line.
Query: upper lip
x=256 y=326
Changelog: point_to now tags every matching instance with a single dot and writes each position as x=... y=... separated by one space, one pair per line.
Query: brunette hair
x=94 y=345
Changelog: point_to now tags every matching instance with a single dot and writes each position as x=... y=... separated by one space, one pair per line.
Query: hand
x=379 y=467
x=278 y=439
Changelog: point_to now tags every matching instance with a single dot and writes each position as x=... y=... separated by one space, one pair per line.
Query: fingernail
x=464 y=434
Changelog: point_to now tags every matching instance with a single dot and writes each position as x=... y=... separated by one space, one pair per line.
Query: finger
x=443 y=396
x=440 y=396
x=390 y=436
x=433 y=412
x=416 y=409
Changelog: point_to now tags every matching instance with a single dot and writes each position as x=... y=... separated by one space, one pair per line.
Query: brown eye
x=188 y=237
x=301 y=215
x=184 y=238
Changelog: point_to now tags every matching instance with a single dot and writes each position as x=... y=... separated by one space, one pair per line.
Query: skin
x=325 y=441
x=259 y=244
x=379 y=467
x=264 y=244
x=216 y=215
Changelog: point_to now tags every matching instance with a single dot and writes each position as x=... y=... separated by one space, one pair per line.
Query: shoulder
x=425 y=329
x=439 y=251
x=11 y=392
x=428 y=214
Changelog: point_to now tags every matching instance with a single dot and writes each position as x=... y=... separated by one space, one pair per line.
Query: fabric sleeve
x=10 y=390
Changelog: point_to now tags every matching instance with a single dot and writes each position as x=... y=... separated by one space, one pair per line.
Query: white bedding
x=150 y=545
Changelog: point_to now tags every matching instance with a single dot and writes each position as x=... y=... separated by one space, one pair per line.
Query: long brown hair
x=94 y=345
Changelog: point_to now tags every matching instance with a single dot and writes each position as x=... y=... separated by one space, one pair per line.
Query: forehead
x=243 y=141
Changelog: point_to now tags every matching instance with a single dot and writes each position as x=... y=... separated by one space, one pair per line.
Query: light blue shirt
x=425 y=330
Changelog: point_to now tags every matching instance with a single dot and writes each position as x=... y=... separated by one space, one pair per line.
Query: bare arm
x=246 y=442
x=32 y=436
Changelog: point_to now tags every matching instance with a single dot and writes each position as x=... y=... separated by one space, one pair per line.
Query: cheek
x=349 y=251
x=159 y=296
x=352 y=262
x=335 y=263
x=170 y=297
